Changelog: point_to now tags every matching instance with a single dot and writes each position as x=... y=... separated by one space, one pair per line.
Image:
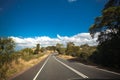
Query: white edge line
x=101 y=69
x=108 y=71
x=40 y=69
x=77 y=72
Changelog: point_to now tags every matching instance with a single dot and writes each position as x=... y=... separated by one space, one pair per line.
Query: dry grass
x=66 y=57
x=23 y=65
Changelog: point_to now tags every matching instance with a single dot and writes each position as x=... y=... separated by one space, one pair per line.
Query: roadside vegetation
x=107 y=53
x=108 y=27
x=83 y=52
x=12 y=62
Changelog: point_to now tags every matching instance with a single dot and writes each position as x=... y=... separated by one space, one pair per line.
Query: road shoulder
x=89 y=64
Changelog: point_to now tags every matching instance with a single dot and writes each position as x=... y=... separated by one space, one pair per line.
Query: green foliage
x=86 y=51
x=83 y=51
x=70 y=48
x=26 y=54
x=8 y=55
x=52 y=48
x=6 y=49
x=43 y=49
x=107 y=53
x=108 y=25
x=60 y=48
x=6 y=45
x=37 y=49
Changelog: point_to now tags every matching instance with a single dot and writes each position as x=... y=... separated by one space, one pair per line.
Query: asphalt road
x=54 y=68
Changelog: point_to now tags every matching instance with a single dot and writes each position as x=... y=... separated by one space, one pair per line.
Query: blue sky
x=30 y=18
x=49 y=22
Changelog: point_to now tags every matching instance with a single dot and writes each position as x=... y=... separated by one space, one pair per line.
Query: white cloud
x=72 y=0
x=79 y=39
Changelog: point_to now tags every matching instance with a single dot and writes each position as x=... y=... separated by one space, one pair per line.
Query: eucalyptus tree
x=108 y=27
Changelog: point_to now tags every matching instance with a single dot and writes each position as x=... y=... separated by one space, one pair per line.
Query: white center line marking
x=41 y=69
x=77 y=72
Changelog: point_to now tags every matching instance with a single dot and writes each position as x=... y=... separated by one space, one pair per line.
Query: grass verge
x=22 y=65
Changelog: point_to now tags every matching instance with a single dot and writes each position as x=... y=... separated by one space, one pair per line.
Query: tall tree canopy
x=59 y=48
x=6 y=45
x=109 y=23
x=108 y=27
x=37 y=49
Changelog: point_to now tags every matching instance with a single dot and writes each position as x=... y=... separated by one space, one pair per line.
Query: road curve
x=54 y=68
